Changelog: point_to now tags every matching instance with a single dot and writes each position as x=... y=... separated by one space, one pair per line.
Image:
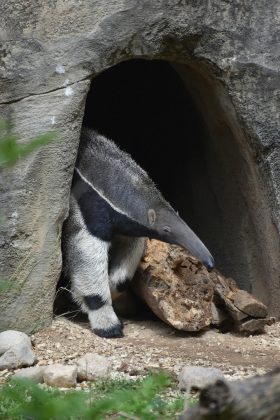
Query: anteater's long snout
x=186 y=238
x=210 y=264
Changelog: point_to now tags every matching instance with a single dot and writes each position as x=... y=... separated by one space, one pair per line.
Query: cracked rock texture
x=49 y=51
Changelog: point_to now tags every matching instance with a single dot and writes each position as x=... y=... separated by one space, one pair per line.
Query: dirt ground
x=152 y=345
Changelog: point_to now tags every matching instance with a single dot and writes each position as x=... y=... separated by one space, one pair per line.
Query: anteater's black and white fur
x=114 y=205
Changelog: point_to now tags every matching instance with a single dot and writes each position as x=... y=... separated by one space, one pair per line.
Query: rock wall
x=49 y=51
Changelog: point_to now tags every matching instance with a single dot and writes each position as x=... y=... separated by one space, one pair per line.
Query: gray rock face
x=34 y=373
x=195 y=377
x=92 y=366
x=16 y=351
x=63 y=376
x=228 y=57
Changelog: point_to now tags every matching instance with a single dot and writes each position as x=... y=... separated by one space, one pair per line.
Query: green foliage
x=141 y=402
x=4 y=285
x=20 y=400
x=11 y=151
x=24 y=400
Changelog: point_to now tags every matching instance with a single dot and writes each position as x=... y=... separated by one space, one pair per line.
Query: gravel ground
x=150 y=345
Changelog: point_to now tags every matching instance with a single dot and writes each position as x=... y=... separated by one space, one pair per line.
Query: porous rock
x=15 y=350
x=176 y=290
x=181 y=292
x=62 y=376
x=92 y=366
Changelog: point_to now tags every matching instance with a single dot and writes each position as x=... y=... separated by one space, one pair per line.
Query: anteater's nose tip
x=210 y=263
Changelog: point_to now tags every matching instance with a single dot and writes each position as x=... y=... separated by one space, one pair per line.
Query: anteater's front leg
x=90 y=284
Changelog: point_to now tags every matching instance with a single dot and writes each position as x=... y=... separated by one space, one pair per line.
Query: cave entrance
x=173 y=124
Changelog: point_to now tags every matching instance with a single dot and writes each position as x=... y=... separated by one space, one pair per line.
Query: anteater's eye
x=152 y=216
x=166 y=229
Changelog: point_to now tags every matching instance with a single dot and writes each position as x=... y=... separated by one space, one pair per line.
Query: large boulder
x=227 y=54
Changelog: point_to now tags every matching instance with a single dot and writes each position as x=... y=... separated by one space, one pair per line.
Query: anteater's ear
x=152 y=217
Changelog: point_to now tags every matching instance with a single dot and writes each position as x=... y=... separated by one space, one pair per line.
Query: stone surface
x=229 y=60
x=15 y=350
x=34 y=373
x=195 y=377
x=62 y=376
x=92 y=366
x=12 y=338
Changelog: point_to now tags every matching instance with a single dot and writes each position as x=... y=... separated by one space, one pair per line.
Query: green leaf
x=4 y=285
x=11 y=151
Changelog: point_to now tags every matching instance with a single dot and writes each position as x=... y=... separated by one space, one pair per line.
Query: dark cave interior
x=178 y=127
